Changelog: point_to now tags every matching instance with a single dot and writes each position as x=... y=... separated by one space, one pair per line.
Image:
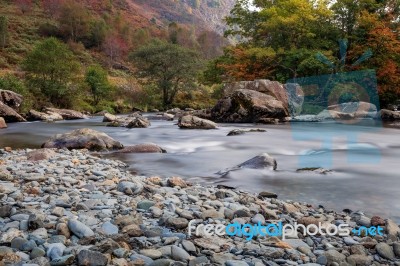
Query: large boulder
x=261 y=161
x=39 y=116
x=9 y=114
x=194 y=122
x=83 y=138
x=349 y=111
x=2 y=123
x=11 y=99
x=388 y=115
x=248 y=106
x=66 y=113
x=290 y=95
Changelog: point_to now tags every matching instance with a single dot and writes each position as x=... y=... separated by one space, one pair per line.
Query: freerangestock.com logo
x=250 y=231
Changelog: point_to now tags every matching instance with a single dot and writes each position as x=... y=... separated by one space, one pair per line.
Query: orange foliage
x=245 y=66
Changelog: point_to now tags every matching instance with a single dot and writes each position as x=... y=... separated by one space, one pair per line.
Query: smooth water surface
x=364 y=159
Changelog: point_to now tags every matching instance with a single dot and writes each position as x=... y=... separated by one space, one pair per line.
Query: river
x=364 y=158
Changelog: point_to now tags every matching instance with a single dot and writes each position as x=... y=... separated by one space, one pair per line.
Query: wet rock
x=91 y=258
x=143 y=148
x=316 y=170
x=84 y=138
x=236 y=132
x=261 y=161
x=66 y=113
x=138 y=122
x=194 y=122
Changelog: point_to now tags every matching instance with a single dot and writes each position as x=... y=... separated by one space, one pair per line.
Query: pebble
x=179 y=254
x=79 y=229
x=385 y=251
x=109 y=229
x=91 y=258
x=91 y=211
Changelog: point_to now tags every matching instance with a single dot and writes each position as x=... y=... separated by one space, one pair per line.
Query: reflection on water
x=365 y=161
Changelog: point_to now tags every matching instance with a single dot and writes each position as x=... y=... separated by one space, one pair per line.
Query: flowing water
x=364 y=158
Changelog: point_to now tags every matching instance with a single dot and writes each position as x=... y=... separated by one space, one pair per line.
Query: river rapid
x=364 y=158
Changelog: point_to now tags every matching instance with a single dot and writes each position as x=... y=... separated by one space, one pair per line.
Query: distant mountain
x=204 y=14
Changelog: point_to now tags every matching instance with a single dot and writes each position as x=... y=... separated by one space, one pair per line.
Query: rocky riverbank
x=62 y=207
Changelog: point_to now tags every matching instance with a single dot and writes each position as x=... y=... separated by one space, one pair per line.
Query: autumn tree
x=74 y=20
x=115 y=47
x=172 y=68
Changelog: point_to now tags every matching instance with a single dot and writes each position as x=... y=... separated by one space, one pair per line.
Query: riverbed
x=364 y=158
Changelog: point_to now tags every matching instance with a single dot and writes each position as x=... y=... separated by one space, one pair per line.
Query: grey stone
x=62 y=261
x=79 y=229
x=109 y=229
x=385 y=251
x=55 y=250
x=145 y=204
x=179 y=254
x=130 y=188
x=188 y=246
x=37 y=252
x=91 y=258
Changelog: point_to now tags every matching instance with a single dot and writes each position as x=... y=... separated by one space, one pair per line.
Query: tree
x=115 y=47
x=96 y=78
x=3 y=31
x=169 y=66
x=51 y=67
x=74 y=20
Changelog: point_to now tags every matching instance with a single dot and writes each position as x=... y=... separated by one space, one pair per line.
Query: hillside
x=134 y=21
